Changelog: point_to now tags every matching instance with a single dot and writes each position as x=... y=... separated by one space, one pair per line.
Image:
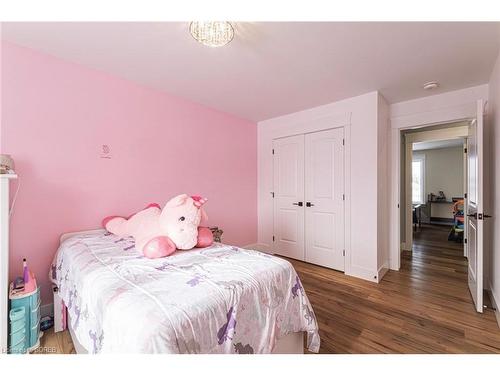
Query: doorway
x=433 y=179
x=438 y=190
x=466 y=209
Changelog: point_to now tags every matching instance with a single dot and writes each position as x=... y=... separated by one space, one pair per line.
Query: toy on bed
x=158 y=233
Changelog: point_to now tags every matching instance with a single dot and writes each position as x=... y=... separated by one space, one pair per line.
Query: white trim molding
x=449 y=107
x=495 y=302
x=382 y=271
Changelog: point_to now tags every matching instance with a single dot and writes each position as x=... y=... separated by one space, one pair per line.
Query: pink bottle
x=26 y=272
x=29 y=279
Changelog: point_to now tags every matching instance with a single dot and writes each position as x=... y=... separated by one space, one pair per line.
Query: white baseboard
x=495 y=301
x=393 y=265
x=47 y=310
x=381 y=272
x=404 y=247
x=362 y=273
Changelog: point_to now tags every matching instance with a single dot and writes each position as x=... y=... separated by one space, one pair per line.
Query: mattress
x=220 y=299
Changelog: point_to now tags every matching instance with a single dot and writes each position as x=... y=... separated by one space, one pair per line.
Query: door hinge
x=273 y=151
x=465 y=240
x=343 y=253
x=465 y=195
x=343 y=141
x=273 y=238
x=465 y=150
x=272 y=193
x=343 y=197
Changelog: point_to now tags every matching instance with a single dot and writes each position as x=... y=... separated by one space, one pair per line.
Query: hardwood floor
x=56 y=343
x=424 y=308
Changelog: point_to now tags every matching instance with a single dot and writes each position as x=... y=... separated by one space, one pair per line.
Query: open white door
x=475 y=214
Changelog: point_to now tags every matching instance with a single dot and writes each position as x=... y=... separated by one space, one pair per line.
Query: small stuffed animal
x=158 y=233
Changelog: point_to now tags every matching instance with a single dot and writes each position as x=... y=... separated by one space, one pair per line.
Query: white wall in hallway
x=443 y=171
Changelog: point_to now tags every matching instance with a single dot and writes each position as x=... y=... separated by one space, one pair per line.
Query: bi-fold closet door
x=309 y=197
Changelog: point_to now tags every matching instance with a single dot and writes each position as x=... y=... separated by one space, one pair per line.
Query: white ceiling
x=271 y=69
x=431 y=145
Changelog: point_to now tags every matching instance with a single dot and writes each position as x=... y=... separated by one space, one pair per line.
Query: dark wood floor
x=424 y=308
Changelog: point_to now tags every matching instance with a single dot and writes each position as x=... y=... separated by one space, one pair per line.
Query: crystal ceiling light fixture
x=212 y=33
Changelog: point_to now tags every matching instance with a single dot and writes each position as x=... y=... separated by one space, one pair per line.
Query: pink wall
x=56 y=116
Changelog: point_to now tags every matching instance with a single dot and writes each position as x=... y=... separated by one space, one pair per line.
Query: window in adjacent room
x=417 y=178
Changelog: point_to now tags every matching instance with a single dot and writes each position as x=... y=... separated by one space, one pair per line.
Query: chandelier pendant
x=212 y=33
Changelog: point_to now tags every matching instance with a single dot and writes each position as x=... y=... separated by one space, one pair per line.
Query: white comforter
x=221 y=299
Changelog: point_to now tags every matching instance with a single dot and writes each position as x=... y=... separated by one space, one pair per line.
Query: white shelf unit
x=4 y=257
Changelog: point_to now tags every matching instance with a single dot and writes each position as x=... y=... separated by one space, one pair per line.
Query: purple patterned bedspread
x=221 y=299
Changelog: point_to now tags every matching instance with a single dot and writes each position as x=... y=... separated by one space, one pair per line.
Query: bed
x=220 y=299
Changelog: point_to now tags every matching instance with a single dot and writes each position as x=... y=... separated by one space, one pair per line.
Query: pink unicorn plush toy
x=158 y=233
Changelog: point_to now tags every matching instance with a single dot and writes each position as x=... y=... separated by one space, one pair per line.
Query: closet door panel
x=289 y=196
x=324 y=189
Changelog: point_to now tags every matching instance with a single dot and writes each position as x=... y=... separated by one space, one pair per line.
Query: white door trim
x=466 y=199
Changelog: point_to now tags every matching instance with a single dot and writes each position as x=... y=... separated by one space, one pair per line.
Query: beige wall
x=443 y=171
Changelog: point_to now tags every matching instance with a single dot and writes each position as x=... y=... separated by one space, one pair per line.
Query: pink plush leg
x=205 y=237
x=107 y=219
x=158 y=247
x=116 y=225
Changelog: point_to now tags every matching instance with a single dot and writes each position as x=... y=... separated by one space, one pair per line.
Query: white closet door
x=324 y=190
x=289 y=196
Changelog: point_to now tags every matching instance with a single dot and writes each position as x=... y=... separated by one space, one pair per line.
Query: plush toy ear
x=204 y=216
x=177 y=201
x=198 y=201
